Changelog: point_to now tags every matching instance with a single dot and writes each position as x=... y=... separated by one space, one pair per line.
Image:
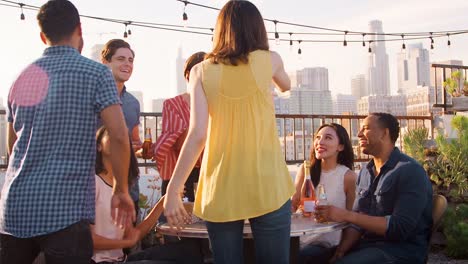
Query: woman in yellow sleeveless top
x=243 y=172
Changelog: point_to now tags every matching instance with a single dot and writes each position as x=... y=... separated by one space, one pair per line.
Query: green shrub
x=449 y=170
x=414 y=143
x=455 y=226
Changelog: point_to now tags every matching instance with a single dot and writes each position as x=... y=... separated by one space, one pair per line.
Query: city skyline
x=156 y=50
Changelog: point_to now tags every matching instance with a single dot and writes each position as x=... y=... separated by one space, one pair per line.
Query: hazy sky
x=154 y=72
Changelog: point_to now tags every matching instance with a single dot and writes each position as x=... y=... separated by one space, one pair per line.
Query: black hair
x=389 y=121
x=133 y=170
x=345 y=157
x=58 y=19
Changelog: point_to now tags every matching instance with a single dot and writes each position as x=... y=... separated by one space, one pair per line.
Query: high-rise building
x=310 y=102
x=378 y=71
x=344 y=103
x=413 y=68
x=393 y=104
x=181 y=85
x=420 y=101
x=313 y=78
x=359 y=86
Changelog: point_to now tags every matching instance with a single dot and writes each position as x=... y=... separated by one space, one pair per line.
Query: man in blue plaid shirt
x=47 y=201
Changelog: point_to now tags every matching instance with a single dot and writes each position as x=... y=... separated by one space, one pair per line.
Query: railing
x=441 y=72
x=294 y=131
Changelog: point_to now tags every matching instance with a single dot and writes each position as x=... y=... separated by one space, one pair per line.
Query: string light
x=403 y=46
x=345 y=43
x=212 y=34
x=184 y=15
x=299 y=51
x=125 y=35
x=128 y=31
x=370 y=49
x=432 y=41
x=290 y=41
x=277 y=39
x=408 y=35
x=22 y=17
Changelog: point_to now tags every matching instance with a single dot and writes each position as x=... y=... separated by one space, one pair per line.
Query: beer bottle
x=146 y=147
x=308 y=192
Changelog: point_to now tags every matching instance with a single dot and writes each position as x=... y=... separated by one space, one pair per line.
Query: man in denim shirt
x=392 y=215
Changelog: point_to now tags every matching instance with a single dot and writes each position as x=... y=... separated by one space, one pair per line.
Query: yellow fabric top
x=243 y=172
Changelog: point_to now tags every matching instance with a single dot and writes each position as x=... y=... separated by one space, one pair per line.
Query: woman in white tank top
x=331 y=158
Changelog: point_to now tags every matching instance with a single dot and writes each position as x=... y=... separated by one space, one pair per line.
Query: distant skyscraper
x=420 y=101
x=344 y=104
x=313 y=78
x=393 y=104
x=413 y=68
x=179 y=70
x=378 y=72
x=310 y=102
x=359 y=86
x=96 y=52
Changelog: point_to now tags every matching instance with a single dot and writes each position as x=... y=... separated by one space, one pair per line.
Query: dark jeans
x=271 y=233
x=315 y=254
x=365 y=253
x=185 y=251
x=72 y=245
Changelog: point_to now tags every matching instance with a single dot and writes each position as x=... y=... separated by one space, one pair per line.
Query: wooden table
x=299 y=226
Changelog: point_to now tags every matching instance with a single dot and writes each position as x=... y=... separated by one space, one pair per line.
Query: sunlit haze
x=156 y=50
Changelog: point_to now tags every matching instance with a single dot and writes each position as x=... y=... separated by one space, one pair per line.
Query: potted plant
x=457 y=87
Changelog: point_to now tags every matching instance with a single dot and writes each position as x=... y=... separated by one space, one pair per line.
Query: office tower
x=378 y=71
x=420 y=101
x=393 y=104
x=181 y=85
x=359 y=86
x=313 y=78
x=413 y=68
x=344 y=104
x=310 y=102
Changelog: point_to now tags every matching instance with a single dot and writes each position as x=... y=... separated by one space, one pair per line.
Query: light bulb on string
x=212 y=34
x=448 y=39
x=184 y=15
x=277 y=39
x=128 y=30
x=403 y=46
x=125 y=34
x=299 y=51
x=290 y=41
x=345 y=43
x=22 y=17
x=363 y=41
x=369 y=49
